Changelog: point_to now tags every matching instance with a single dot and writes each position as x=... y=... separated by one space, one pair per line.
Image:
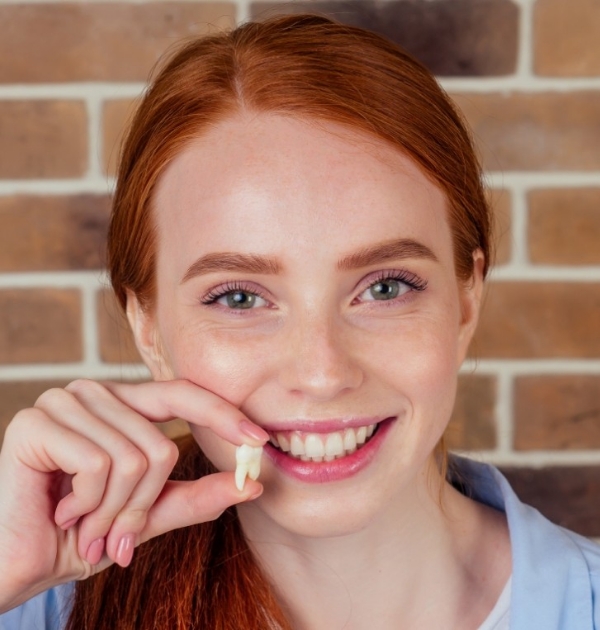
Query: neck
x=420 y=564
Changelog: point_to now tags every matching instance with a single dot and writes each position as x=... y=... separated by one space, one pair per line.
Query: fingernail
x=253 y=431
x=70 y=523
x=125 y=550
x=95 y=551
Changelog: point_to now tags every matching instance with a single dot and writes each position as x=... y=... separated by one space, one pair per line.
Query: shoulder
x=556 y=572
x=47 y=611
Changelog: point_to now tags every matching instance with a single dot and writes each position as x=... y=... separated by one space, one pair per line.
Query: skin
x=316 y=345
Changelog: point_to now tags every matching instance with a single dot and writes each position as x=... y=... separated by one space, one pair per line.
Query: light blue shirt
x=555 y=577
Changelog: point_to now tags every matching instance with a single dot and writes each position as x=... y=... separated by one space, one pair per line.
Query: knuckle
x=52 y=397
x=98 y=462
x=131 y=462
x=83 y=386
x=165 y=453
x=25 y=422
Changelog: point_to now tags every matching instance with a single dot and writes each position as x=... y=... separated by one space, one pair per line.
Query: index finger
x=160 y=401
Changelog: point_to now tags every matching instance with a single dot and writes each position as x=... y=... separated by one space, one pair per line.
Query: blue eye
x=388 y=286
x=388 y=289
x=240 y=300
x=235 y=297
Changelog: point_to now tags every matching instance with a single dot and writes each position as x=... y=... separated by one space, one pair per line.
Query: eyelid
x=415 y=282
x=222 y=289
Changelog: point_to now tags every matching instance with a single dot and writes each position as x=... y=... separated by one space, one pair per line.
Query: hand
x=83 y=479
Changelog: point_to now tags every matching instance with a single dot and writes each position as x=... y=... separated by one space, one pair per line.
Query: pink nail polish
x=95 y=551
x=125 y=550
x=253 y=431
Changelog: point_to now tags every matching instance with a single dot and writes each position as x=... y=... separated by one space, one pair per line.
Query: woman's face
x=305 y=274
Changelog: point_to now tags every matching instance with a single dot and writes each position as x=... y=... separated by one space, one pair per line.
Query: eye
x=241 y=300
x=387 y=286
x=387 y=289
x=235 y=297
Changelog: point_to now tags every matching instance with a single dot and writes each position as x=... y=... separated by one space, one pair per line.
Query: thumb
x=185 y=503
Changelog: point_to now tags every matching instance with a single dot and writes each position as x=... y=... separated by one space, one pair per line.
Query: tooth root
x=240 y=476
x=254 y=469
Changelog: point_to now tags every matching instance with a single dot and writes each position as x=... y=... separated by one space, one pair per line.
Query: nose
x=319 y=362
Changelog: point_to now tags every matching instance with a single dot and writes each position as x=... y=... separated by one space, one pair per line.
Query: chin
x=318 y=515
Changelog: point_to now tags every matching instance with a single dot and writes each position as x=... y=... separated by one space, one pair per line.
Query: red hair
x=304 y=66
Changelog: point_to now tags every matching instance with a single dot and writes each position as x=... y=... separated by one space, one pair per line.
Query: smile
x=326 y=451
x=322 y=447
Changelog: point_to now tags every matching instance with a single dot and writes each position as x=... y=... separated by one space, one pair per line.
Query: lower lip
x=335 y=470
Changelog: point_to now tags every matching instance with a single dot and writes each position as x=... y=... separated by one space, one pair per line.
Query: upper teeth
x=247 y=459
x=320 y=447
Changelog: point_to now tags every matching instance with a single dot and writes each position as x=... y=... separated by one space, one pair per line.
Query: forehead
x=257 y=177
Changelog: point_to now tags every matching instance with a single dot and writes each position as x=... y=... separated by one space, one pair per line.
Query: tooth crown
x=247 y=459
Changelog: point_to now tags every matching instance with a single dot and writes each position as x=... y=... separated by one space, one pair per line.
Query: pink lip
x=321 y=426
x=336 y=470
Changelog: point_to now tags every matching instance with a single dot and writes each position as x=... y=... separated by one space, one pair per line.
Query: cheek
x=228 y=364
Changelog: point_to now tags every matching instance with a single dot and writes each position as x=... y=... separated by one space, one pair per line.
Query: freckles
x=230 y=368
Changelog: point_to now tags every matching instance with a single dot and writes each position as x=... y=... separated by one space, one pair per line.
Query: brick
x=567 y=495
x=557 y=412
x=15 y=396
x=40 y=326
x=95 y=41
x=42 y=139
x=566 y=36
x=528 y=320
x=540 y=131
x=116 y=343
x=115 y=117
x=451 y=37
x=501 y=203
x=564 y=226
x=53 y=233
x=472 y=426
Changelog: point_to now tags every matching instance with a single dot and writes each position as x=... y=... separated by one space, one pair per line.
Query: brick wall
x=527 y=75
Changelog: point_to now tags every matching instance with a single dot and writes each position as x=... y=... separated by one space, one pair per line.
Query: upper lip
x=325 y=425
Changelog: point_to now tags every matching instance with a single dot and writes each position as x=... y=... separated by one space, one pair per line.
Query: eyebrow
x=229 y=261
x=253 y=263
x=396 y=249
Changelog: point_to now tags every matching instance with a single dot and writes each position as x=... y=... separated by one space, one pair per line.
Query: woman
x=299 y=239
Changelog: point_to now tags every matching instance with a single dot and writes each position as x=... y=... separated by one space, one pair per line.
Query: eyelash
x=230 y=287
x=409 y=279
x=406 y=277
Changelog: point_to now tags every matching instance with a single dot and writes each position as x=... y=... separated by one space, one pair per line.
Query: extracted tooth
x=247 y=459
